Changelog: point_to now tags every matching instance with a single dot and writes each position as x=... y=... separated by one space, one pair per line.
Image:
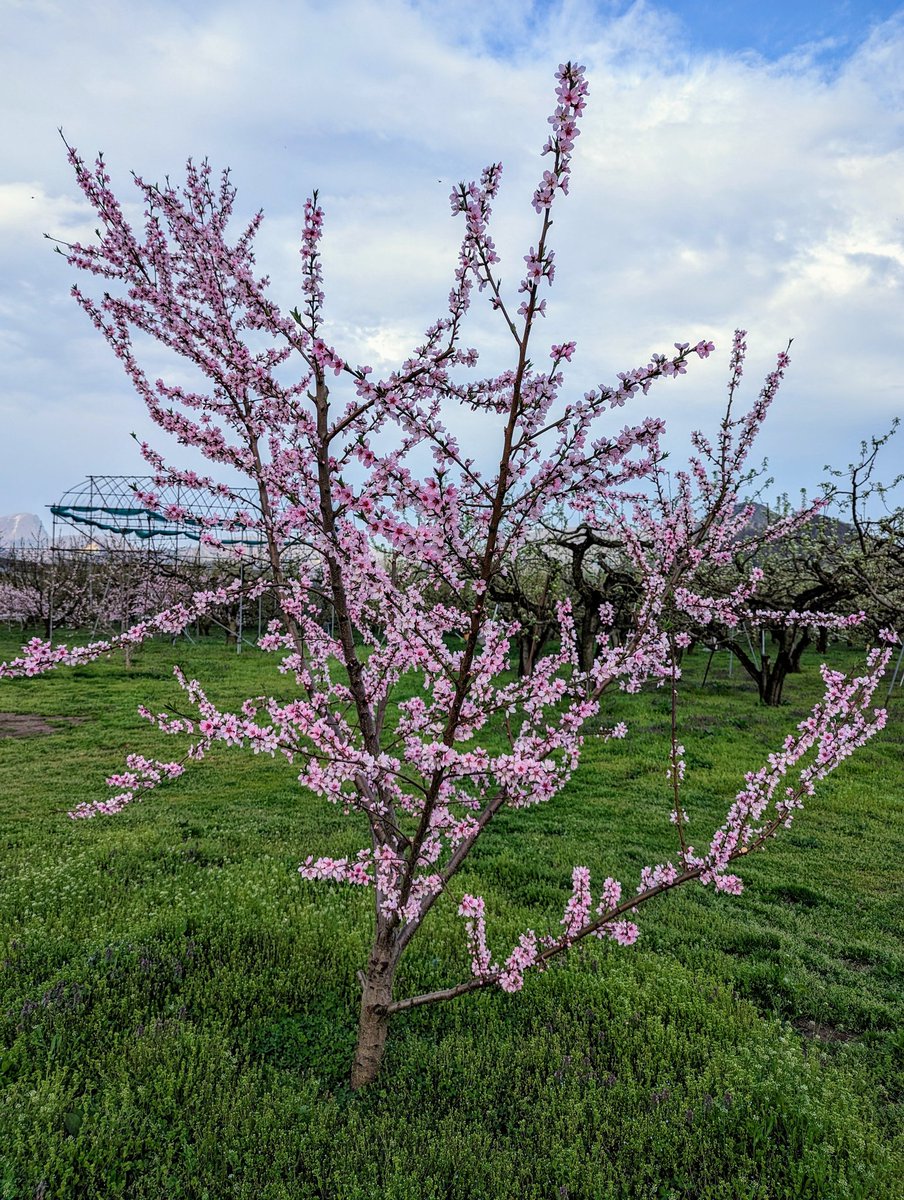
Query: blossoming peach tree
x=404 y=560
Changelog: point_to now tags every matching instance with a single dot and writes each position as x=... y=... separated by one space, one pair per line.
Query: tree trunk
x=771 y=692
x=797 y=651
x=773 y=679
x=373 y=1024
x=586 y=638
x=525 y=666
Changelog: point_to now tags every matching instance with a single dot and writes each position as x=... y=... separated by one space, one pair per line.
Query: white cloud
x=709 y=191
x=28 y=213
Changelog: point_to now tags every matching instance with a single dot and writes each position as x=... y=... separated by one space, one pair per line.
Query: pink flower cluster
x=571 y=93
x=839 y=725
x=143 y=775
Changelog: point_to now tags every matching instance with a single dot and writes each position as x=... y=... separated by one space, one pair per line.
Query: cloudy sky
x=740 y=164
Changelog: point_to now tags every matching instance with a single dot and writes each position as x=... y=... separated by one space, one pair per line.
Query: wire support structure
x=102 y=526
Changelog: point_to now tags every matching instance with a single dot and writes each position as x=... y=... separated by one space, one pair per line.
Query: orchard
x=405 y=713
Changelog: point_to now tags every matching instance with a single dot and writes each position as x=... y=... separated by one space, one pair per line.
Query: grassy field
x=178 y=1007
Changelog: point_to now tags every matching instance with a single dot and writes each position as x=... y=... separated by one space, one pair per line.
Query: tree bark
x=773 y=681
x=373 y=1024
x=525 y=664
x=586 y=637
x=797 y=651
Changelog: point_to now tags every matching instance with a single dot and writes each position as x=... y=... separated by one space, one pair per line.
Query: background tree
x=42 y=588
x=866 y=558
x=99 y=585
x=800 y=598
x=604 y=586
x=840 y=571
x=527 y=591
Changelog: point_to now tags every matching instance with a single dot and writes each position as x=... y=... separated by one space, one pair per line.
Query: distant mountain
x=21 y=528
x=763 y=515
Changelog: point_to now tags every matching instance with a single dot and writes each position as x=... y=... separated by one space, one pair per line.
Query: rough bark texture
x=772 y=679
x=373 y=1024
x=586 y=636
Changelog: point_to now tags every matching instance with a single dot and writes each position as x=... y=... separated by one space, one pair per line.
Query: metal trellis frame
x=109 y=505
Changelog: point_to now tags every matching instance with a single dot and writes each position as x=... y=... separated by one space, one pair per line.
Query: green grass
x=178 y=1007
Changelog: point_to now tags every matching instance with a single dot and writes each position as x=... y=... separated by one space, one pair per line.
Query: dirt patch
x=822 y=1031
x=33 y=724
x=856 y=964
